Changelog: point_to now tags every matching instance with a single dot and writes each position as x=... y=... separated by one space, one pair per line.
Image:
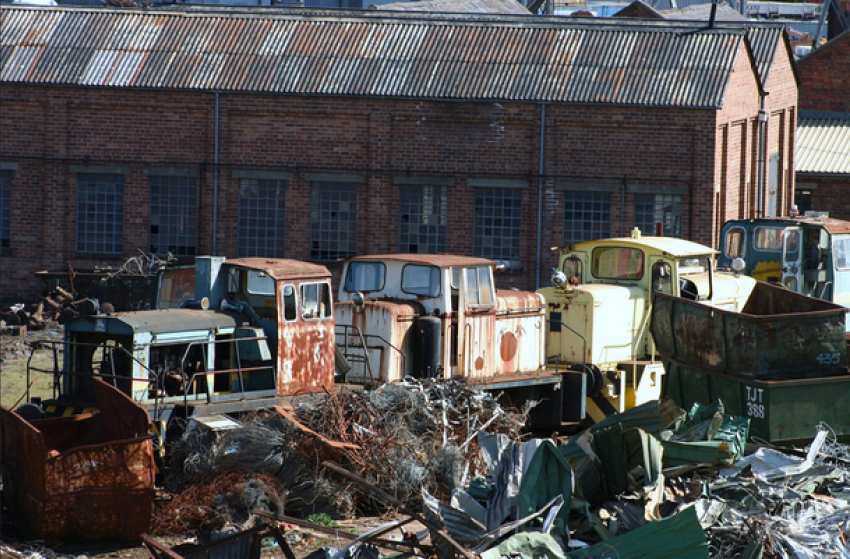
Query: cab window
x=260 y=283
x=479 y=286
x=365 y=276
x=735 y=243
x=841 y=248
x=572 y=268
x=662 y=277
x=290 y=305
x=316 y=301
x=768 y=238
x=421 y=280
x=617 y=263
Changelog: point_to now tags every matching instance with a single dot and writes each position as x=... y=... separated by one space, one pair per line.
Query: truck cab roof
x=670 y=246
x=438 y=260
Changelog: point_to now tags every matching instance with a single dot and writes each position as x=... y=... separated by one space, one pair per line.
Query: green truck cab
x=599 y=307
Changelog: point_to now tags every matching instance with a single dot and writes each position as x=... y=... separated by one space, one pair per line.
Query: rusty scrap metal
x=389 y=499
x=85 y=477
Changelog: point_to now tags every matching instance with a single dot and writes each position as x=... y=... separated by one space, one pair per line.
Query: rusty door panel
x=99 y=487
x=305 y=352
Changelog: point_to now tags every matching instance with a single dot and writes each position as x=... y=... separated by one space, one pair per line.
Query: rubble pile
x=652 y=482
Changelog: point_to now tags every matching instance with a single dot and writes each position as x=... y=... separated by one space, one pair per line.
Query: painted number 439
x=828 y=359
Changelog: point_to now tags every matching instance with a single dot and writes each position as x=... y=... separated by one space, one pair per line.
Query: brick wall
x=51 y=132
x=824 y=77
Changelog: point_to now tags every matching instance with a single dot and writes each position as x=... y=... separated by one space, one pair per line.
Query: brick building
x=823 y=148
x=319 y=135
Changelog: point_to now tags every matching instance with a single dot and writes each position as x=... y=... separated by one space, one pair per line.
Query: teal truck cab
x=809 y=254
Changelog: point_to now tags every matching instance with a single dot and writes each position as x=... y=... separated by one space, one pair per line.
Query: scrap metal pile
x=401 y=437
x=652 y=482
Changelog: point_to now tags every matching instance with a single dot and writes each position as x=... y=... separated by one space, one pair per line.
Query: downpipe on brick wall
x=762 y=149
x=540 y=192
x=215 y=180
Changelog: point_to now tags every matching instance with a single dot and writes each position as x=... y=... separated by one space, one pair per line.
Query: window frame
x=585 y=197
x=659 y=201
x=268 y=240
x=7 y=178
x=171 y=187
x=88 y=240
x=329 y=241
x=488 y=231
x=412 y=197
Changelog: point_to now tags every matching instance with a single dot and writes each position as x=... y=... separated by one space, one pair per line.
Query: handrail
x=239 y=369
x=152 y=375
x=583 y=340
x=363 y=338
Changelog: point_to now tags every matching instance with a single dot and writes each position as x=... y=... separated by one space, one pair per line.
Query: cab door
x=476 y=323
x=792 y=258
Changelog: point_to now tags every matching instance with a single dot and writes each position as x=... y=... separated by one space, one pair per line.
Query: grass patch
x=323 y=519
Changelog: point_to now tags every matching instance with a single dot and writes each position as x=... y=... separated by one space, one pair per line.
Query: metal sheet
x=822 y=145
x=77 y=478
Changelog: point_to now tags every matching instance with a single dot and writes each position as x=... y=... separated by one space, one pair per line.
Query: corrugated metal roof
x=823 y=145
x=375 y=54
x=458 y=6
x=702 y=12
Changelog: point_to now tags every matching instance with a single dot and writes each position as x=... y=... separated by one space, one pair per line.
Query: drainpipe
x=215 y=181
x=762 y=149
x=540 y=191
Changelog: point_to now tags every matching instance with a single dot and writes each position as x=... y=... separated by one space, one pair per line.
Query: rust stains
x=85 y=477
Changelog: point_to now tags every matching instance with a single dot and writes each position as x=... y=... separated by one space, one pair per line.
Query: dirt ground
x=15 y=355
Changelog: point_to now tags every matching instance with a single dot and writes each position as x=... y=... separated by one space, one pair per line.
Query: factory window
x=5 y=210
x=652 y=209
x=174 y=215
x=333 y=221
x=587 y=216
x=496 y=230
x=422 y=219
x=100 y=213
x=262 y=209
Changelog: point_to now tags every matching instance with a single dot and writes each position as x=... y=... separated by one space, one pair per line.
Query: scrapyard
x=472 y=418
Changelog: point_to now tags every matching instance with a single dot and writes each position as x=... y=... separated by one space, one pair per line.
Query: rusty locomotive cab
x=226 y=336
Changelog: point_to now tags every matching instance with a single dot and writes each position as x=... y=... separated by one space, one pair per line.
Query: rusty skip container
x=81 y=478
x=778 y=335
x=782 y=362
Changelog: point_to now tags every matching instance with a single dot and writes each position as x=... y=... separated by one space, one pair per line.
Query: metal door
x=477 y=323
x=792 y=258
